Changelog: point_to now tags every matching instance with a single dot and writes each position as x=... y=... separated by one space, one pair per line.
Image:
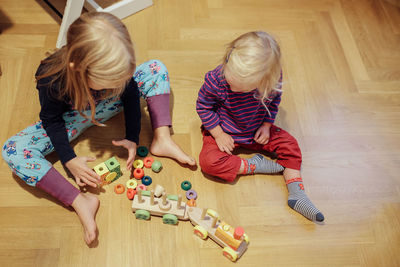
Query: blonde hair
x=255 y=57
x=100 y=50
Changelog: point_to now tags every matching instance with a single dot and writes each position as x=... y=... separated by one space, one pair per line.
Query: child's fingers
x=89 y=180
x=228 y=149
x=258 y=138
x=129 y=163
x=90 y=159
x=78 y=182
x=92 y=173
x=116 y=143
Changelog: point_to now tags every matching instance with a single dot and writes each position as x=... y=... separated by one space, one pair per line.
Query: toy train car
x=206 y=222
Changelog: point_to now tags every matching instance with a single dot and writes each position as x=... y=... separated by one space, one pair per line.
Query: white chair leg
x=73 y=10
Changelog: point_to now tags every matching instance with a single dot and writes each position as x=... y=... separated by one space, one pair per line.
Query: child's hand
x=225 y=142
x=262 y=134
x=82 y=173
x=131 y=147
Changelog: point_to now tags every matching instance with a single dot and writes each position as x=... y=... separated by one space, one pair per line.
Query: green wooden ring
x=142 y=151
x=186 y=185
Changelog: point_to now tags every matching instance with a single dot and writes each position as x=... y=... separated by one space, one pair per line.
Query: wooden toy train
x=206 y=222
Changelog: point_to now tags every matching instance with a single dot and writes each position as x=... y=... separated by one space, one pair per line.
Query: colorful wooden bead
x=156 y=166
x=191 y=203
x=138 y=164
x=102 y=170
x=119 y=188
x=238 y=233
x=186 y=185
x=142 y=151
x=191 y=194
x=146 y=180
x=111 y=177
x=130 y=193
x=113 y=166
x=138 y=173
x=159 y=190
x=132 y=184
x=148 y=161
x=142 y=187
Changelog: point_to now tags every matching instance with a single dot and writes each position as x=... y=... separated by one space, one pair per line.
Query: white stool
x=73 y=10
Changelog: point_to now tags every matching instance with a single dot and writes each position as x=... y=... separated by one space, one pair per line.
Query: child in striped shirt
x=237 y=104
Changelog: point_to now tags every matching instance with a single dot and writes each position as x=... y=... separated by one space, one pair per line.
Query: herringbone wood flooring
x=341 y=100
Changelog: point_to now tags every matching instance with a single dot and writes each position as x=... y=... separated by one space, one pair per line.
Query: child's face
x=239 y=86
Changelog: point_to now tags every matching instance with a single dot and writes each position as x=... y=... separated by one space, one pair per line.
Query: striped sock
x=259 y=164
x=299 y=201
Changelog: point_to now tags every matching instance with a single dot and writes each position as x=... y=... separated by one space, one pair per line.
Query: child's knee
x=155 y=63
x=207 y=163
x=210 y=163
x=9 y=150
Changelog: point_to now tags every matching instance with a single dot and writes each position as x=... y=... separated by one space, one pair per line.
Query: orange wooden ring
x=148 y=161
x=138 y=173
x=119 y=188
x=191 y=202
x=130 y=193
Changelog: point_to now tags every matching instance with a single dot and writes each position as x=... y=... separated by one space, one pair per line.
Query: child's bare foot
x=164 y=146
x=86 y=206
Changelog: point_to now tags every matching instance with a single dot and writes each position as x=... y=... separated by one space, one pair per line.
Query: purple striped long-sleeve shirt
x=239 y=114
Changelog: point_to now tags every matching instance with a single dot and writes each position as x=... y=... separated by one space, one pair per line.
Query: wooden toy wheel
x=200 y=232
x=229 y=253
x=170 y=219
x=142 y=214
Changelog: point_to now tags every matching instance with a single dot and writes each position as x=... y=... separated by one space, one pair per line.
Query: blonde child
x=237 y=104
x=87 y=82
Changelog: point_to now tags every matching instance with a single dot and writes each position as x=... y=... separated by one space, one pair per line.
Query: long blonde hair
x=100 y=50
x=255 y=57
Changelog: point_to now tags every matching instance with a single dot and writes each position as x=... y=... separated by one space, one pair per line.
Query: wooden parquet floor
x=341 y=67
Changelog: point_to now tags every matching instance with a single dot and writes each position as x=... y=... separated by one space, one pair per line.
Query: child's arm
x=131 y=101
x=207 y=101
x=51 y=114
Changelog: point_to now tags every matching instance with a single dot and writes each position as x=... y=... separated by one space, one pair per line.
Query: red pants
x=221 y=164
